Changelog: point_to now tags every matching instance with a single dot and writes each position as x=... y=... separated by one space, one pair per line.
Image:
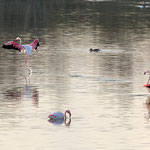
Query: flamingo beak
x=51 y=116
x=144 y=73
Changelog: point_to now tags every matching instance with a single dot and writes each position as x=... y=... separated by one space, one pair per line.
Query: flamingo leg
x=27 y=63
x=148 y=79
x=27 y=59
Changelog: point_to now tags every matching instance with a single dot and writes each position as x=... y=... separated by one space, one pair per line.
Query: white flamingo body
x=28 y=49
x=59 y=115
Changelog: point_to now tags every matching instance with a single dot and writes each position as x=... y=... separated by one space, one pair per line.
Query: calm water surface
x=104 y=90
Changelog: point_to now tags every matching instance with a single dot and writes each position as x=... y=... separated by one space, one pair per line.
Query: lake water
x=103 y=90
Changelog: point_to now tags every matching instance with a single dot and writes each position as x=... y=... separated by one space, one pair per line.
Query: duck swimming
x=94 y=50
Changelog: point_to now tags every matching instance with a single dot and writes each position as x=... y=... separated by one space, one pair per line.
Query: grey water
x=103 y=90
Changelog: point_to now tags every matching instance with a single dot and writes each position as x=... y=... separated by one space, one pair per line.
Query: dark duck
x=94 y=50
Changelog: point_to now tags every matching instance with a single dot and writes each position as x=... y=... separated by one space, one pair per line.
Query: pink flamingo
x=60 y=115
x=27 y=49
x=147 y=85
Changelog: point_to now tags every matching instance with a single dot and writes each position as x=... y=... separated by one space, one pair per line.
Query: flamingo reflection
x=66 y=121
x=24 y=92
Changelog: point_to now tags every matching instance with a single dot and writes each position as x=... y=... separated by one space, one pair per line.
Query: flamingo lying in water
x=147 y=85
x=59 y=115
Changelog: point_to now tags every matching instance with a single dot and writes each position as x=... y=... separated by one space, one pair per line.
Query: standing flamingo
x=59 y=115
x=147 y=85
x=27 y=49
x=24 y=48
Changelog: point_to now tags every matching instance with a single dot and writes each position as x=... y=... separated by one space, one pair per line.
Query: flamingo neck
x=67 y=123
x=149 y=75
x=148 y=79
x=66 y=114
x=20 y=41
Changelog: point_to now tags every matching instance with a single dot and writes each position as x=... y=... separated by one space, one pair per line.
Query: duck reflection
x=67 y=121
x=24 y=92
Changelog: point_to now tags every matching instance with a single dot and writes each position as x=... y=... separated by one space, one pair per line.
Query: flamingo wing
x=147 y=85
x=35 y=44
x=13 y=45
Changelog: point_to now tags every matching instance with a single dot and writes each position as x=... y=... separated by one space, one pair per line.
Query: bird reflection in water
x=24 y=92
x=66 y=121
x=147 y=104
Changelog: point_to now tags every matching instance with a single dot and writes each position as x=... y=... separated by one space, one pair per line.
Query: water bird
x=94 y=50
x=59 y=115
x=147 y=85
x=28 y=48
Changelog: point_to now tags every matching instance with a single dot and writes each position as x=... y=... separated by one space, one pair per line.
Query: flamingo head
x=68 y=111
x=148 y=71
x=18 y=39
x=51 y=116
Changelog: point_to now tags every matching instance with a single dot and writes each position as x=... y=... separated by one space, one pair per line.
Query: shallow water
x=103 y=90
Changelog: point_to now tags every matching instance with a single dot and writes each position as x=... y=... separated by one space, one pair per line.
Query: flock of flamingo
x=27 y=49
x=56 y=117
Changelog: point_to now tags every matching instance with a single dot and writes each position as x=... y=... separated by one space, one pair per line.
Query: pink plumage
x=17 y=46
x=13 y=45
x=35 y=44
